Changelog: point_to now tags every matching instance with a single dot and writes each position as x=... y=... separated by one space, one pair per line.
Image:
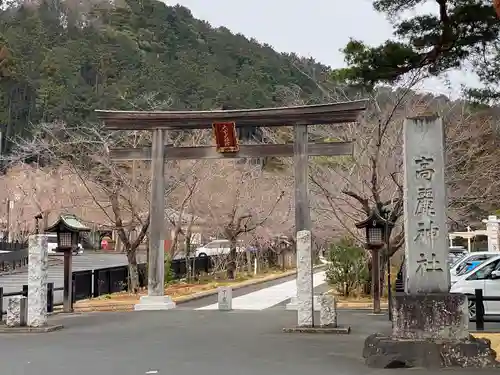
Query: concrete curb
x=184 y=299
x=10 y=330
x=360 y=306
x=104 y=252
x=332 y=330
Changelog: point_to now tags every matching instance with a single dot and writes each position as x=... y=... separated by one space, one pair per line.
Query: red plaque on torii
x=225 y=136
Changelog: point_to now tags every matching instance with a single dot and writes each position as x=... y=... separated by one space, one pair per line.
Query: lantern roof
x=67 y=223
x=373 y=220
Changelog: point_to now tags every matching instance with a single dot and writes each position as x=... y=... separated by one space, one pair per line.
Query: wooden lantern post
x=377 y=230
x=68 y=229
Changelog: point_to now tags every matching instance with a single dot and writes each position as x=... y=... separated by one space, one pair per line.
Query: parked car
x=217 y=247
x=51 y=242
x=468 y=263
x=455 y=253
x=486 y=277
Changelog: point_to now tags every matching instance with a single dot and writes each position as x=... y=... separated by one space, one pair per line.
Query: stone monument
x=294 y=303
x=225 y=298
x=304 y=280
x=492 y=230
x=430 y=325
x=328 y=312
x=37 y=280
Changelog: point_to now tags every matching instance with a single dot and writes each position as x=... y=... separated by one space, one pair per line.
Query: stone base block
x=293 y=305
x=335 y=330
x=152 y=303
x=4 y=329
x=386 y=352
x=328 y=313
x=16 y=311
x=430 y=316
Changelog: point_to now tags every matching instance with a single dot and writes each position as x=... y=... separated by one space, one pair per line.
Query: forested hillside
x=61 y=60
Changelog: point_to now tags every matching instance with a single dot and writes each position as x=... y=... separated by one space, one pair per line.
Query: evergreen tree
x=459 y=34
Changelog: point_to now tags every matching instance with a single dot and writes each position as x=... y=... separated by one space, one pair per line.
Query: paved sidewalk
x=268 y=297
x=193 y=342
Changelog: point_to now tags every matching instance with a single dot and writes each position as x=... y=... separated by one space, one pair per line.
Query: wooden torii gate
x=224 y=123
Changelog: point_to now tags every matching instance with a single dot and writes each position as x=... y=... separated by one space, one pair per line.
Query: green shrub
x=348 y=266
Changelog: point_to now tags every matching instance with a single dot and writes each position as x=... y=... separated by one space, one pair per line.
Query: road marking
x=268 y=297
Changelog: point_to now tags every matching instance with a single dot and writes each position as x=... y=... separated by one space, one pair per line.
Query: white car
x=217 y=247
x=456 y=253
x=459 y=268
x=51 y=243
x=486 y=276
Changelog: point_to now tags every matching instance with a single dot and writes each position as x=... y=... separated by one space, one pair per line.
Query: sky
x=312 y=28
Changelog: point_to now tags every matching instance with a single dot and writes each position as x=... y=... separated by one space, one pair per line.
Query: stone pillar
x=304 y=280
x=492 y=229
x=156 y=266
x=16 y=312
x=156 y=300
x=225 y=298
x=37 y=280
x=328 y=312
x=426 y=237
x=293 y=304
x=430 y=325
x=425 y=207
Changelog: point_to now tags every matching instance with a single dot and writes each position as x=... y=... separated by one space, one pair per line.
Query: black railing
x=12 y=246
x=94 y=283
x=24 y=292
x=16 y=257
x=479 y=299
x=179 y=267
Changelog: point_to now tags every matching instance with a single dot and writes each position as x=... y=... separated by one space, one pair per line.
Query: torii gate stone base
x=224 y=124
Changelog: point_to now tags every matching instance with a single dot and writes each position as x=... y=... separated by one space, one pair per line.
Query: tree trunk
x=175 y=243
x=132 y=271
x=187 y=252
x=248 y=255
x=147 y=251
x=231 y=264
x=383 y=269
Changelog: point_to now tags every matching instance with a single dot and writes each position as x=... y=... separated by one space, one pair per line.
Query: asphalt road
x=489 y=325
x=192 y=342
